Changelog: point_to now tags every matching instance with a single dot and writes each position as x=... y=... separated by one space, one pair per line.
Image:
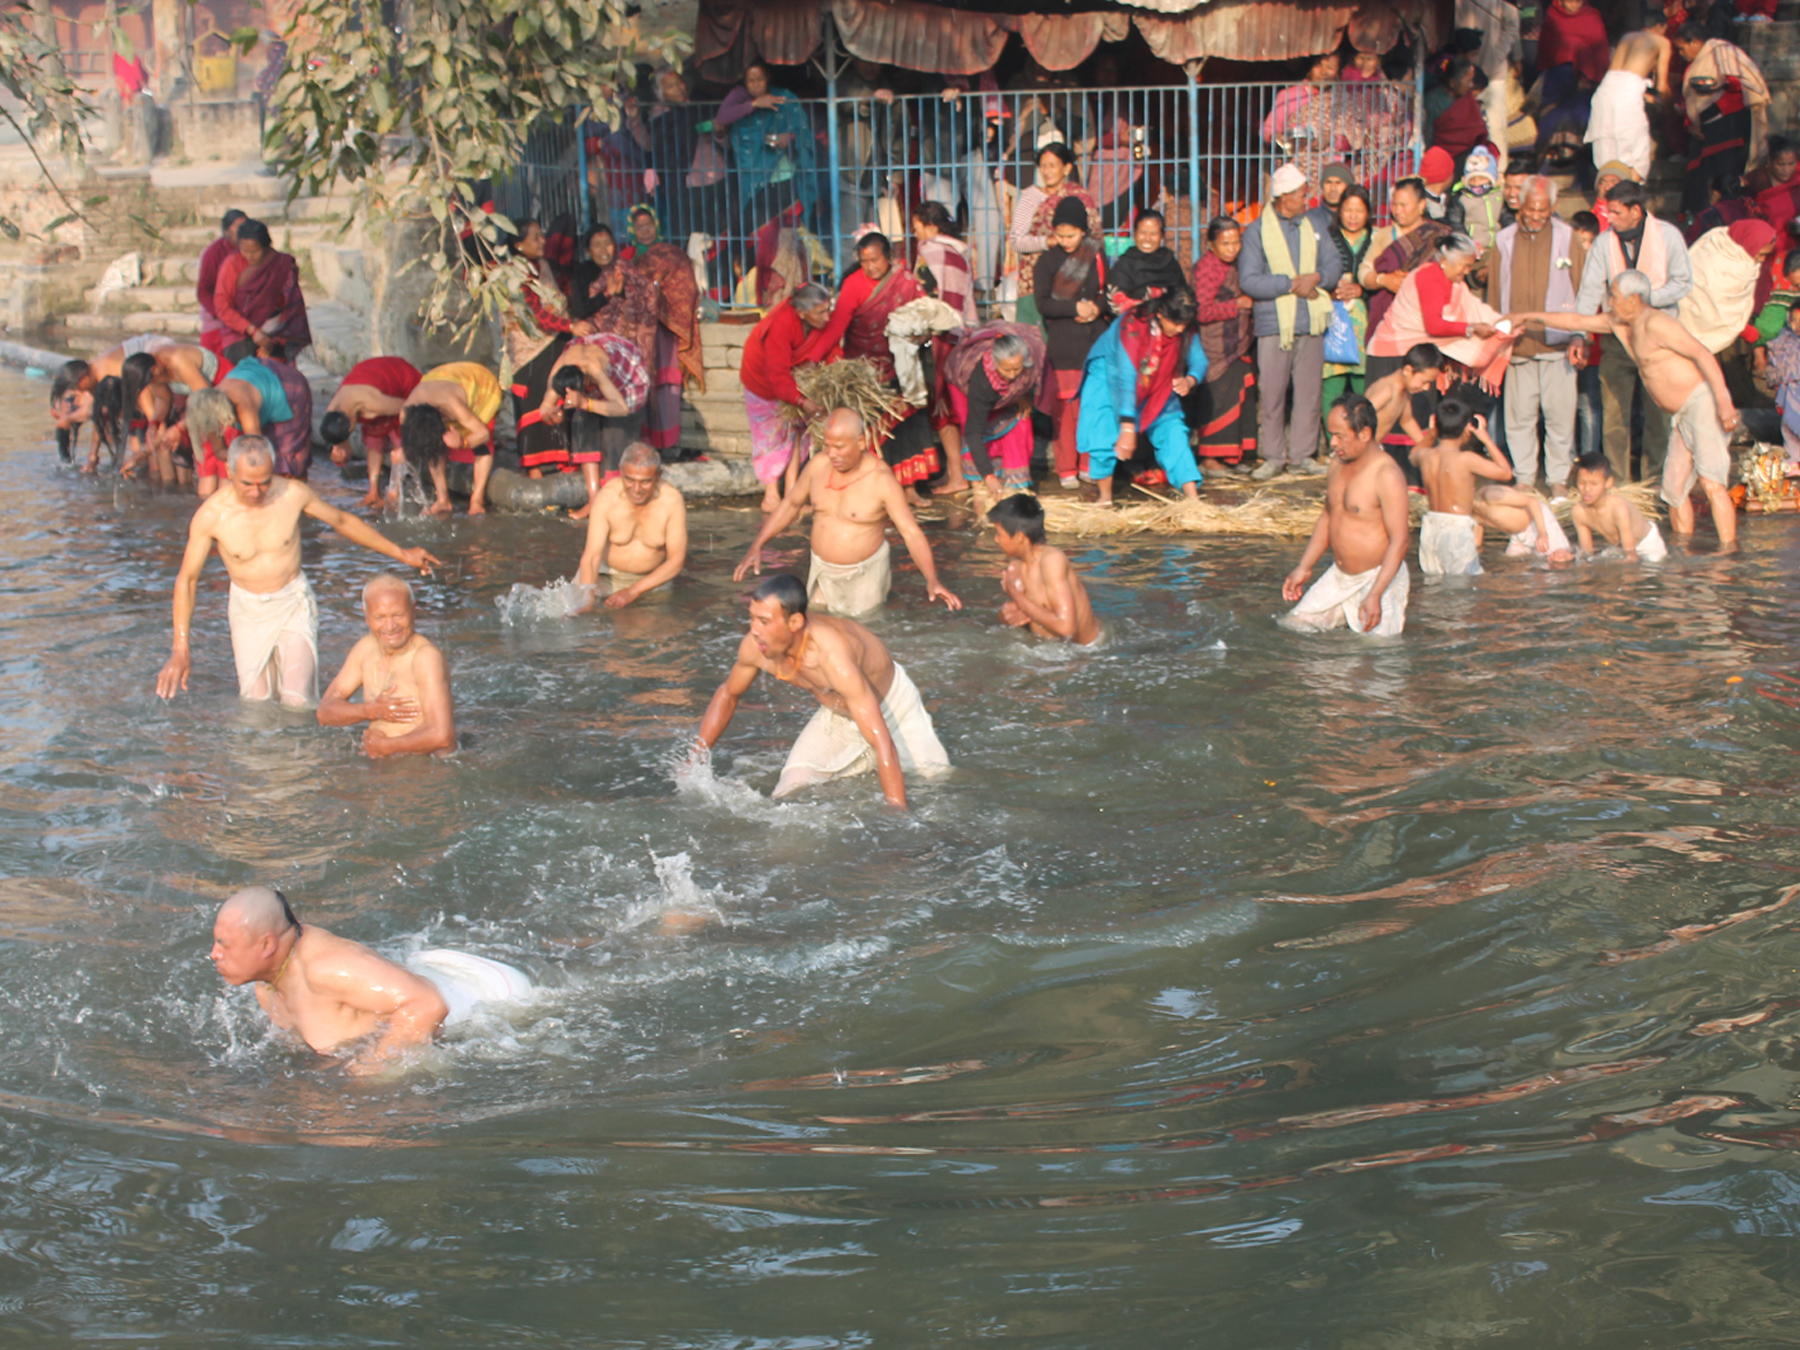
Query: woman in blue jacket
x=1132 y=388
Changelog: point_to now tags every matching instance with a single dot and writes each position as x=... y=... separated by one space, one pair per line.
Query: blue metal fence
x=791 y=187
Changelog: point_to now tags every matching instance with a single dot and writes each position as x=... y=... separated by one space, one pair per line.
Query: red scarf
x=1579 y=39
x=1158 y=357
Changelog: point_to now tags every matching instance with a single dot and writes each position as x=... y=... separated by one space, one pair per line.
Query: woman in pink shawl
x=258 y=298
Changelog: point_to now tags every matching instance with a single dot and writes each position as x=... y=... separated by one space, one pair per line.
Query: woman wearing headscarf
x=677 y=358
x=1350 y=235
x=1032 y=216
x=1729 y=282
x=1068 y=282
x=1226 y=402
x=995 y=378
x=772 y=143
x=1727 y=104
x=258 y=298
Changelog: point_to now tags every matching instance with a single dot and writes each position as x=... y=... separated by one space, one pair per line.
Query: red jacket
x=778 y=344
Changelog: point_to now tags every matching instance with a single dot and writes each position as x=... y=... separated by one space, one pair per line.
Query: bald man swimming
x=334 y=993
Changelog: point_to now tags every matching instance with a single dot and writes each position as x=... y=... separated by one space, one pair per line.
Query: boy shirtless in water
x=1600 y=510
x=1043 y=591
x=403 y=676
x=1365 y=524
x=1449 y=539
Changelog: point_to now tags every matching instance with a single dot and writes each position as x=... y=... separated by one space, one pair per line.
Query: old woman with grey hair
x=1434 y=306
x=996 y=375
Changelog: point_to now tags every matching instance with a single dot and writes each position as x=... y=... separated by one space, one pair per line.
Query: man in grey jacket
x=1636 y=241
x=1289 y=268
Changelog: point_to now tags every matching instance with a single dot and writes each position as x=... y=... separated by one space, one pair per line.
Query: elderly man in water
x=274 y=619
x=327 y=990
x=638 y=529
x=854 y=497
x=870 y=714
x=404 y=679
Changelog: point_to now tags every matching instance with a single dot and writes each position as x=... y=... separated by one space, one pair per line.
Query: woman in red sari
x=258 y=298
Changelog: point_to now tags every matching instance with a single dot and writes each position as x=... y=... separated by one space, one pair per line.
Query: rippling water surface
x=1238 y=988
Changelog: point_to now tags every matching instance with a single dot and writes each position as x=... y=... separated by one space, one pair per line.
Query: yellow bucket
x=216 y=74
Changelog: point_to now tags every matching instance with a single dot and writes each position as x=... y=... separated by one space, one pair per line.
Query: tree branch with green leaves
x=52 y=107
x=412 y=119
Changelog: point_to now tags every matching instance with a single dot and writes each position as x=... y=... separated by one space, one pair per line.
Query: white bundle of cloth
x=907 y=327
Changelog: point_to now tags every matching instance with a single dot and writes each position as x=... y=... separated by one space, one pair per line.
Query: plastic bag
x=1341 y=346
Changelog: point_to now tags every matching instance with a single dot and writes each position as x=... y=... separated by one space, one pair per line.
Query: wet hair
x=937 y=215
x=1626 y=193
x=639 y=455
x=1149 y=213
x=1689 y=32
x=810 y=296
x=109 y=406
x=136 y=375
x=1633 y=282
x=388 y=581
x=875 y=239
x=1595 y=461
x=232 y=217
x=1585 y=221
x=1453 y=419
x=1416 y=186
x=256 y=232
x=335 y=428
x=1177 y=305
x=1219 y=225
x=1358 y=412
x=209 y=413
x=1424 y=357
x=262 y=910
x=581 y=428
x=1007 y=346
x=422 y=432
x=1020 y=513
x=1059 y=149
x=249 y=447
x=68 y=375
x=784 y=590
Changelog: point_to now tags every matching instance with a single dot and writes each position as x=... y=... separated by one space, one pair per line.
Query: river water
x=1237 y=989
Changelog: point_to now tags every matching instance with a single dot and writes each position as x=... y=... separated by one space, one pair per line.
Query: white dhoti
x=1447 y=546
x=1700 y=448
x=851 y=588
x=832 y=746
x=1525 y=542
x=262 y=626
x=1651 y=547
x=1618 y=124
x=1337 y=598
x=468 y=981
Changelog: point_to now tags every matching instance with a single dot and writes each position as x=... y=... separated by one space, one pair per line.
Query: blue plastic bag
x=1341 y=346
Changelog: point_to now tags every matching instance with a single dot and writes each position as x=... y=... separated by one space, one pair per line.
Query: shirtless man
x=638 y=529
x=854 y=496
x=1600 y=510
x=1619 y=123
x=1366 y=527
x=1043 y=592
x=1449 y=541
x=274 y=620
x=403 y=676
x=372 y=396
x=327 y=990
x=451 y=412
x=1683 y=379
x=869 y=709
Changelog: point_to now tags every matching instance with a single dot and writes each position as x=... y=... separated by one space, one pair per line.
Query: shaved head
x=262 y=910
x=844 y=422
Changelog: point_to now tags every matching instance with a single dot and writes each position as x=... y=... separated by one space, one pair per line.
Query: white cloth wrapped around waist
x=259 y=622
x=1526 y=541
x=467 y=982
x=1336 y=599
x=833 y=746
x=850 y=589
x=1447 y=546
x=1651 y=547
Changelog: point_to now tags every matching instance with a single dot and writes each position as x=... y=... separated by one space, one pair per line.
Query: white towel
x=1618 y=125
x=1525 y=542
x=832 y=745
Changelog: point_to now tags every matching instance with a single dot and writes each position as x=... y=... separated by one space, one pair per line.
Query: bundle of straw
x=854 y=384
x=1271 y=514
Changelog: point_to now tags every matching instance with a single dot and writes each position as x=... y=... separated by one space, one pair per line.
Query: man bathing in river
x=274 y=621
x=1683 y=379
x=869 y=714
x=1043 y=592
x=637 y=529
x=1602 y=511
x=1365 y=525
x=404 y=680
x=327 y=990
x=854 y=496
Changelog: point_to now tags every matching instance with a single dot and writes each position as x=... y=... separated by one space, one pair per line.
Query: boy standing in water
x=1366 y=527
x=1043 y=592
x=1448 y=543
x=1600 y=510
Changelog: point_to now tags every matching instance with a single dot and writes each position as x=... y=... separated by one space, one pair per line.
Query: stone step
x=185 y=324
x=340 y=335
x=341 y=276
x=138 y=298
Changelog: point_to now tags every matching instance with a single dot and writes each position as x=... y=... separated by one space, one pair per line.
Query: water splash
x=560 y=599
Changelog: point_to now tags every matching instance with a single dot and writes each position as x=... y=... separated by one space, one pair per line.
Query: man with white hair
x=274 y=620
x=1537 y=261
x=1290 y=269
x=404 y=679
x=1682 y=379
x=637 y=531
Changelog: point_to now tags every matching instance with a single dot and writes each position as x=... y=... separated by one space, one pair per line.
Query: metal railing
x=856 y=161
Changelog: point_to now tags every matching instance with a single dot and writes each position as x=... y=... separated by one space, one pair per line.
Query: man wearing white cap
x=1290 y=269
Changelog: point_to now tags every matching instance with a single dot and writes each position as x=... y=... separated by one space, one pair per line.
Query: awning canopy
x=924 y=36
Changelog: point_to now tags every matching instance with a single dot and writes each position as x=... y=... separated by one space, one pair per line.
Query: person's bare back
x=1046 y=588
x=1448 y=470
x=1646 y=54
x=1393 y=407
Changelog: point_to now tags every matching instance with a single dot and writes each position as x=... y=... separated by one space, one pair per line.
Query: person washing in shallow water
x=404 y=679
x=1600 y=510
x=1449 y=541
x=1043 y=591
